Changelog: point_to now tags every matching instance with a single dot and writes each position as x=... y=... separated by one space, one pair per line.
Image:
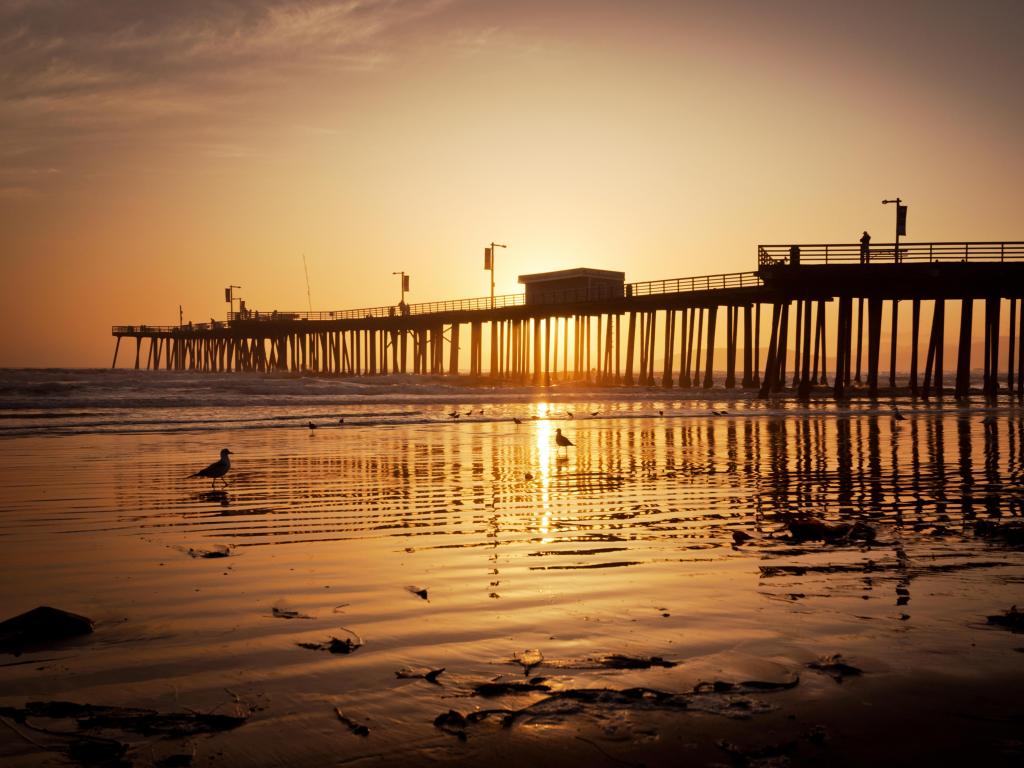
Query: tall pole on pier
x=229 y=297
x=489 y=264
x=901 y=226
x=405 y=286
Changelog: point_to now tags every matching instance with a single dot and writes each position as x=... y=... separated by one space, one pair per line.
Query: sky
x=152 y=153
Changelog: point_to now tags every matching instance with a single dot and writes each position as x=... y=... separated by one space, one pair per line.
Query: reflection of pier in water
x=614 y=339
x=634 y=491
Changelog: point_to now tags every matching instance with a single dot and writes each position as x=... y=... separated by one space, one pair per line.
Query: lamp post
x=405 y=286
x=489 y=264
x=229 y=297
x=901 y=225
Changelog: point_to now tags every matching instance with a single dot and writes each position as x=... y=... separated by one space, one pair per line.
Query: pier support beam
x=843 y=342
x=874 y=343
x=805 y=373
x=779 y=377
x=770 y=366
x=933 y=360
x=963 y=358
x=731 y=317
x=1010 y=345
x=709 y=369
x=749 y=353
x=860 y=334
x=915 y=330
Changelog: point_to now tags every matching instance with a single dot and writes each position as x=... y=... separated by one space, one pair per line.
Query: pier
x=814 y=301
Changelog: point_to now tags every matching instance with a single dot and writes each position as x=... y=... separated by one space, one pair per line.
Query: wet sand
x=625 y=548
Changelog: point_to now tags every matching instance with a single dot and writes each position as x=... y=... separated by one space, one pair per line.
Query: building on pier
x=568 y=286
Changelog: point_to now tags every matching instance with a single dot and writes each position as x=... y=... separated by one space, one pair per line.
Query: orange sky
x=152 y=153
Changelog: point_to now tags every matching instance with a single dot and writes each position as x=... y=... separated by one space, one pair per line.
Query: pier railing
x=850 y=253
x=689 y=284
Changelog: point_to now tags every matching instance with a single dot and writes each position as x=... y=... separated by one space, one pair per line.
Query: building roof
x=568 y=274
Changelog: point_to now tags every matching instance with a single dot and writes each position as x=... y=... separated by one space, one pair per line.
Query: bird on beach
x=897 y=415
x=562 y=441
x=217 y=470
x=454 y=414
x=341 y=420
x=517 y=420
x=594 y=413
x=311 y=425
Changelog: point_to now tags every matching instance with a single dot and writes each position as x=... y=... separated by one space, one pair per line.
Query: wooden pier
x=660 y=332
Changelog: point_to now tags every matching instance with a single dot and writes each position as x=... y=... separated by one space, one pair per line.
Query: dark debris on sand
x=146 y=722
x=718 y=697
x=357 y=728
x=430 y=675
x=210 y=554
x=41 y=627
x=621 y=661
x=334 y=645
x=813 y=529
x=488 y=690
x=835 y=667
x=1008 y=534
x=1012 y=619
x=85 y=747
x=283 y=613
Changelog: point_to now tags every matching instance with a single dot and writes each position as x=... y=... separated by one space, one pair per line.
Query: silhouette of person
x=865 y=248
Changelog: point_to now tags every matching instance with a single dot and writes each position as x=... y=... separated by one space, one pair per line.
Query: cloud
x=74 y=71
x=56 y=48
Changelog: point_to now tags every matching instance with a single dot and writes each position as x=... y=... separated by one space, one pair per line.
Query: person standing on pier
x=865 y=248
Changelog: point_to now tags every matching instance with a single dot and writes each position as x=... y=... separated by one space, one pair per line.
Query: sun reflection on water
x=545 y=439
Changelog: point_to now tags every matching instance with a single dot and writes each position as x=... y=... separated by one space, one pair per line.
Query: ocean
x=703 y=577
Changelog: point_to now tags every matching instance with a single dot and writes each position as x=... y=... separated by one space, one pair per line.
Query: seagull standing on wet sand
x=217 y=470
x=562 y=441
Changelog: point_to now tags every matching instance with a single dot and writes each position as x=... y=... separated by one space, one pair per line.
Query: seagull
x=570 y=414
x=594 y=413
x=454 y=414
x=517 y=420
x=341 y=420
x=897 y=415
x=312 y=425
x=562 y=441
x=217 y=470
x=661 y=413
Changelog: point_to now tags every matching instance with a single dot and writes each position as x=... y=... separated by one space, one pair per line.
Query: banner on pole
x=901 y=219
x=488 y=259
x=405 y=282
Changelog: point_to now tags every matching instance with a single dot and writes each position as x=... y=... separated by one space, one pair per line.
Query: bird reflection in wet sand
x=215 y=496
x=217 y=470
x=562 y=442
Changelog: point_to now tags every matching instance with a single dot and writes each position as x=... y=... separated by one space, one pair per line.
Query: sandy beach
x=659 y=597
